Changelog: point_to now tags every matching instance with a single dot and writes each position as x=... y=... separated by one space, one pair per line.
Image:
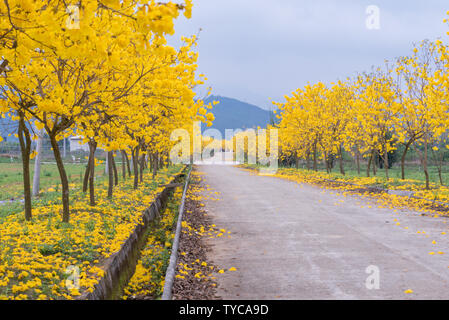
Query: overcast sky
x=254 y=50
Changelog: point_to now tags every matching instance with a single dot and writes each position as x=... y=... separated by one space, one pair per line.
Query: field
x=37 y=253
x=11 y=179
x=11 y=184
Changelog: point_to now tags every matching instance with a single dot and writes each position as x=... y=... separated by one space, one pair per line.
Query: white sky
x=254 y=50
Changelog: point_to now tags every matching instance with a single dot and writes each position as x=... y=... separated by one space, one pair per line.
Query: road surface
x=294 y=241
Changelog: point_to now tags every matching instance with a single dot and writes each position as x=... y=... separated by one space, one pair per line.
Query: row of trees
x=101 y=69
x=372 y=114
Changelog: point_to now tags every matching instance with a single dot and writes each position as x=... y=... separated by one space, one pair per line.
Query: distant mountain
x=234 y=114
x=229 y=114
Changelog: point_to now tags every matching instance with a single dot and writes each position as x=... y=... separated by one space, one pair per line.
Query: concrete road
x=297 y=241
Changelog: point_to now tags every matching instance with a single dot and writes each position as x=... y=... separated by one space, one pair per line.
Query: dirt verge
x=193 y=280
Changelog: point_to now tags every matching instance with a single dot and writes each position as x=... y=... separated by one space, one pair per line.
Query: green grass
x=45 y=198
x=11 y=177
x=412 y=172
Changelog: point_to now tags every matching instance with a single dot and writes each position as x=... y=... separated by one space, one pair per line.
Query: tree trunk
x=110 y=175
x=114 y=167
x=315 y=165
x=142 y=167
x=135 y=156
x=426 y=171
x=91 y=175
x=37 y=163
x=357 y=160
x=25 y=148
x=161 y=162
x=368 y=168
x=155 y=164
x=123 y=165
x=127 y=163
x=308 y=160
x=407 y=146
x=374 y=163
x=64 y=180
x=342 y=169
x=86 y=175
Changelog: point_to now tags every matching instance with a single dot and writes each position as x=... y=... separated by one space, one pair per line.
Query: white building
x=76 y=144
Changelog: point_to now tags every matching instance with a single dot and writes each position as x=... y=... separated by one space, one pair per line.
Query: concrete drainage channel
x=171 y=270
x=120 y=267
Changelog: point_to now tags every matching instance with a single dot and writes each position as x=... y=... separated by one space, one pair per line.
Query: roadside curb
x=171 y=270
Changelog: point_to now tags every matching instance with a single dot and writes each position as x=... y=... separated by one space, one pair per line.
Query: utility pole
x=107 y=164
x=65 y=148
x=37 y=163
